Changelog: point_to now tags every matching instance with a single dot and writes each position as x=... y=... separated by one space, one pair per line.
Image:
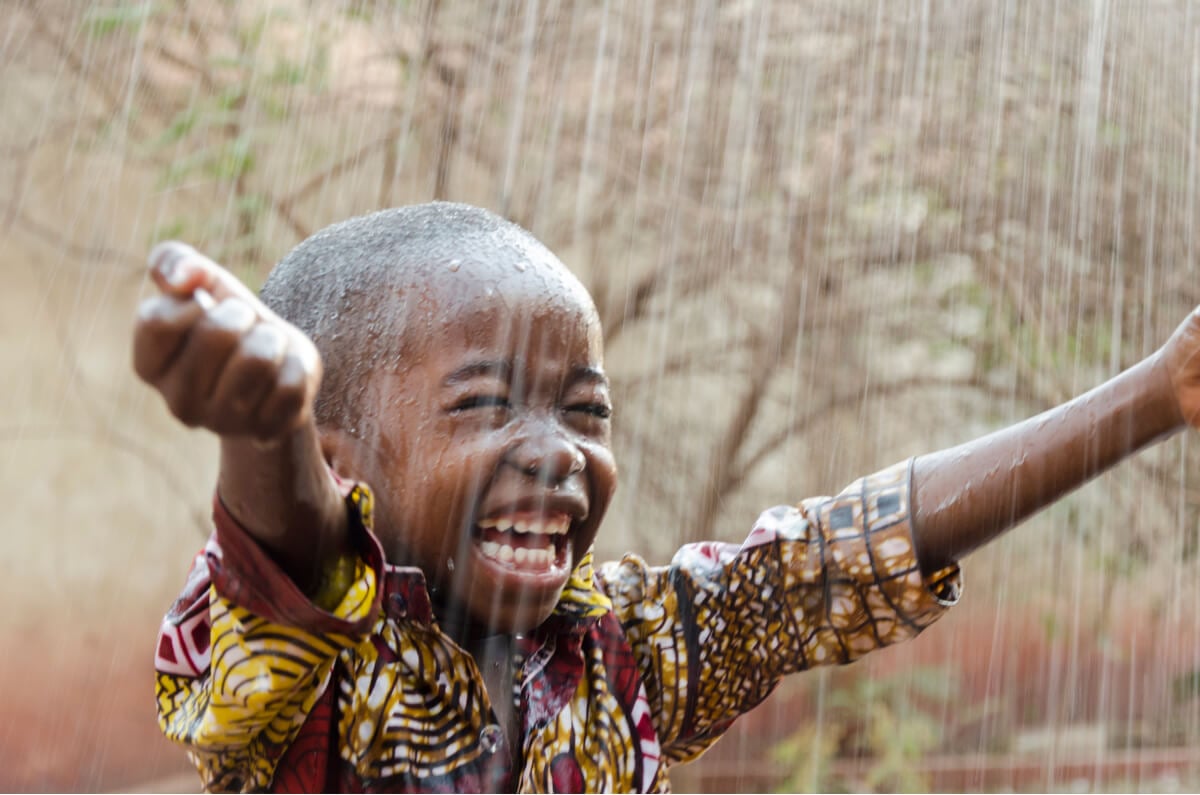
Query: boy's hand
x=221 y=359
x=1181 y=356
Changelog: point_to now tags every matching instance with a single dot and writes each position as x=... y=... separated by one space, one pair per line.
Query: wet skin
x=496 y=413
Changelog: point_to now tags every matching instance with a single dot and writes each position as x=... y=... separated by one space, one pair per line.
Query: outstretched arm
x=223 y=361
x=967 y=495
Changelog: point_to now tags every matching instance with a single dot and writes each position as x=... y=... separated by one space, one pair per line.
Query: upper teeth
x=543 y=525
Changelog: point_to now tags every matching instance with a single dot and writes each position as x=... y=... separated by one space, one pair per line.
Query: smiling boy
x=444 y=629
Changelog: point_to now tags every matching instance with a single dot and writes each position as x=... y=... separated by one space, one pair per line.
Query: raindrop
x=490 y=738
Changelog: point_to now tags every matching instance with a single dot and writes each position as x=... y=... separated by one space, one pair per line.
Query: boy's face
x=491 y=459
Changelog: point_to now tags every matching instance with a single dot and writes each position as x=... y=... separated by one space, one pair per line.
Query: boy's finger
x=286 y=405
x=250 y=373
x=163 y=325
x=189 y=381
x=180 y=270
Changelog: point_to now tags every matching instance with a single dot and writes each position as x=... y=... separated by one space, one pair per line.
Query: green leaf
x=235 y=159
x=231 y=97
x=105 y=21
x=291 y=73
x=184 y=167
x=170 y=230
x=226 y=61
x=251 y=204
x=1187 y=686
x=180 y=126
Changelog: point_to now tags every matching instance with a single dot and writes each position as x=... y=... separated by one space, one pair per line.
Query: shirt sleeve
x=243 y=655
x=815 y=584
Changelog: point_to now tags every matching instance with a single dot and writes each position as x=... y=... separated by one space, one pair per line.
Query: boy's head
x=464 y=383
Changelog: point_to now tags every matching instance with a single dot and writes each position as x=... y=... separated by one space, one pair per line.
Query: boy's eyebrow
x=502 y=369
x=496 y=368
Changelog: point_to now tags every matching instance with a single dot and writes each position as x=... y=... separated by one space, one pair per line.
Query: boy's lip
x=572 y=505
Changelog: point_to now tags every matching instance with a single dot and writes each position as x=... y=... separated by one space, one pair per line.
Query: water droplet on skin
x=453 y=265
x=522 y=265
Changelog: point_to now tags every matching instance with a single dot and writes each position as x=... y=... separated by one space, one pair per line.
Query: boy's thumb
x=180 y=270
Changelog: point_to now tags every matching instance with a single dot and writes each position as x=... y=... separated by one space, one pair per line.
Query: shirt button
x=491 y=737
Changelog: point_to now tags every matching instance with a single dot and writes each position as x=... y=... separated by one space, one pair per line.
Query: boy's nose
x=550 y=458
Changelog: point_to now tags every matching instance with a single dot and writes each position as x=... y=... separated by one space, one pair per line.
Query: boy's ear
x=338 y=448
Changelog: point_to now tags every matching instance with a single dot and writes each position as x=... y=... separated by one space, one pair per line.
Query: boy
x=450 y=633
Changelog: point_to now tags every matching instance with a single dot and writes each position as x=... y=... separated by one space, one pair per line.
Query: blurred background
x=823 y=237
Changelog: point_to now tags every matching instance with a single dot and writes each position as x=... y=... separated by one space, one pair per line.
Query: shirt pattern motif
x=638 y=666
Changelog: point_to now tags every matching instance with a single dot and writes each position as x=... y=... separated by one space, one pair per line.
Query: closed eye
x=480 y=402
x=599 y=410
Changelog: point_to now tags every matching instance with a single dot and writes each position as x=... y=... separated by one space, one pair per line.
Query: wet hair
x=346 y=287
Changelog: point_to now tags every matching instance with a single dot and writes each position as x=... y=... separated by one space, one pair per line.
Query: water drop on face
x=453 y=265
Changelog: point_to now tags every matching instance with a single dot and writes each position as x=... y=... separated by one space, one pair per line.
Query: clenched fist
x=221 y=359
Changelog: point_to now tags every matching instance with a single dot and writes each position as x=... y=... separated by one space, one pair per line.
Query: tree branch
x=763 y=368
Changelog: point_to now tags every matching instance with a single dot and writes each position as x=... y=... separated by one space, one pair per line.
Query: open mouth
x=534 y=543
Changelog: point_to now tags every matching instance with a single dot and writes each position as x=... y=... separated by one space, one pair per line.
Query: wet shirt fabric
x=637 y=667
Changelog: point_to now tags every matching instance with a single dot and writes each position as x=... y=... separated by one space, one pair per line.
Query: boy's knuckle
x=289 y=399
x=264 y=343
x=217 y=337
x=250 y=370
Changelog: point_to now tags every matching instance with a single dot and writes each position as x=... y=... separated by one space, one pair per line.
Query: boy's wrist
x=287 y=500
x=248 y=575
x=1161 y=412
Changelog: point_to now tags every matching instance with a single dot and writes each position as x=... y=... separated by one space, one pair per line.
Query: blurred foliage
x=106 y=21
x=247 y=98
x=893 y=721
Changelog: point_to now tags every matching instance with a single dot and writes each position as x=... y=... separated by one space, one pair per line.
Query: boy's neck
x=456 y=622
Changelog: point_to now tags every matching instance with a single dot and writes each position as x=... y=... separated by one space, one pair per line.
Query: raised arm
x=223 y=361
x=965 y=496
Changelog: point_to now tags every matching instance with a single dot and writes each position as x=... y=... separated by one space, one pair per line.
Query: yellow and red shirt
x=638 y=667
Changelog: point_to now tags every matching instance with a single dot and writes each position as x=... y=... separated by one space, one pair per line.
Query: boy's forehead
x=481 y=300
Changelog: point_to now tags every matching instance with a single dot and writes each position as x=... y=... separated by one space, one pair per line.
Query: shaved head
x=363 y=289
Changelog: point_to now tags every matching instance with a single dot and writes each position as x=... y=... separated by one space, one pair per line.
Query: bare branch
x=763 y=368
x=314 y=183
x=150 y=459
x=706 y=356
x=123 y=261
x=750 y=462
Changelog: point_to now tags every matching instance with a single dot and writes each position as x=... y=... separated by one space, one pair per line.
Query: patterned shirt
x=637 y=667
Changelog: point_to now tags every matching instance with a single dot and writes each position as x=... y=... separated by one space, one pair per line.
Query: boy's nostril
x=551 y=473
x=549 y=463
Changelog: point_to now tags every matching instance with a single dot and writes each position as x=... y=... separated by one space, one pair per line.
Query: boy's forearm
x=966 y=495
x=284 y=496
